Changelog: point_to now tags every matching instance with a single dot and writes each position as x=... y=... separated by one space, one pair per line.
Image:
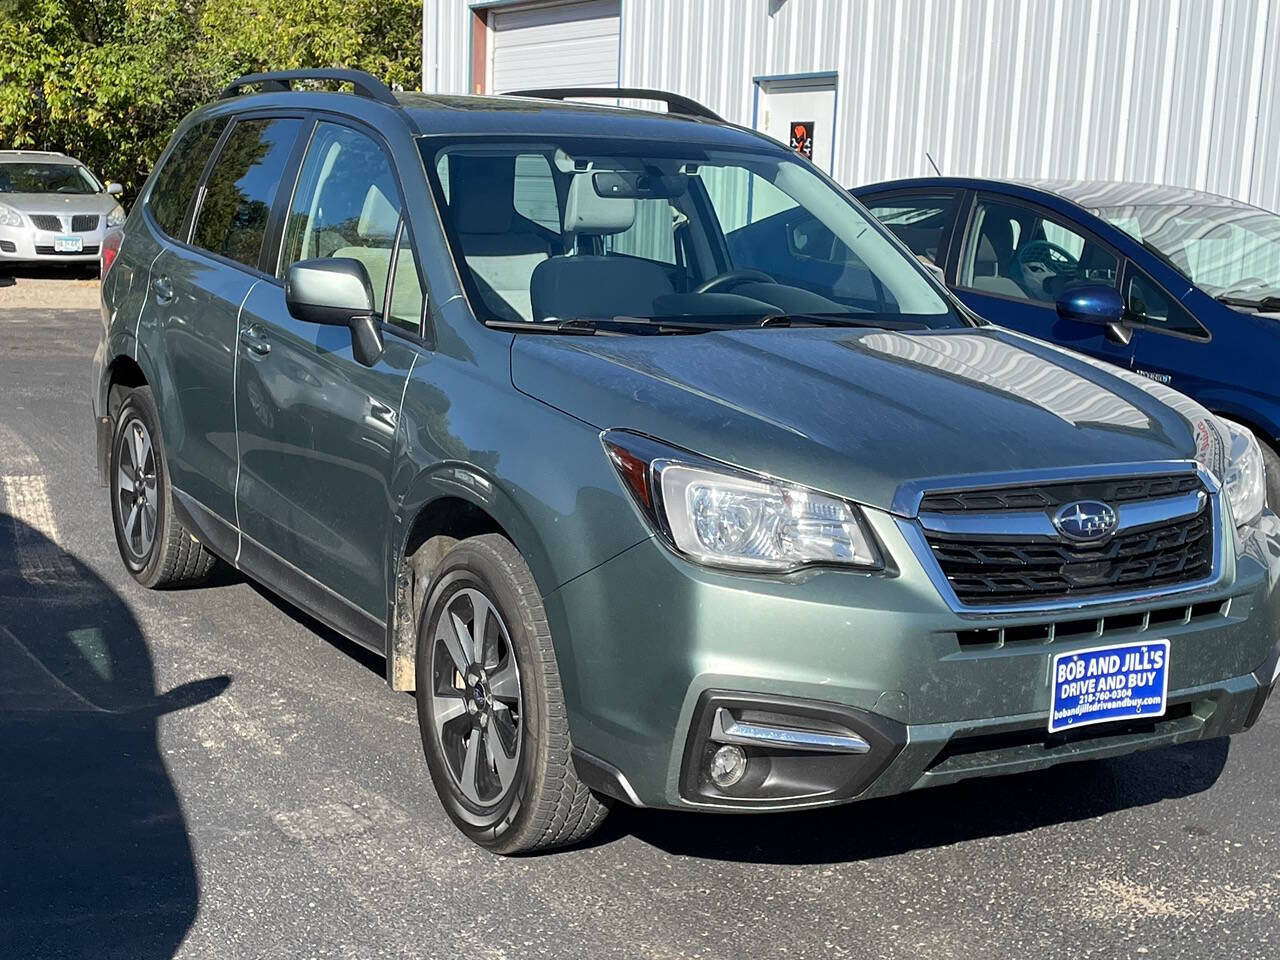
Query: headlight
x=9 y=217
x=724 y=517
x=1245 y=477
x=116 y=216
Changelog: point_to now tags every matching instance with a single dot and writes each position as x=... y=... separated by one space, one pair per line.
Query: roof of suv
x=436 y=113
x=447 y=114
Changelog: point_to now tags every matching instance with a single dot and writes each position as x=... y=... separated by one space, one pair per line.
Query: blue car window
x=922 y=222
x=1150 y=306
x=1014 y=250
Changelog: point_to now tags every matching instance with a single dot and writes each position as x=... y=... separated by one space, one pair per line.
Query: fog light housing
x=728 y=766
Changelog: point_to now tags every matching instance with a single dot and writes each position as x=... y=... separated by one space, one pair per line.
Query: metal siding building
x=1176 y=92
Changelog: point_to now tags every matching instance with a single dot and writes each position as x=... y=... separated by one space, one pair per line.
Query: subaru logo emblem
x=1086 y=521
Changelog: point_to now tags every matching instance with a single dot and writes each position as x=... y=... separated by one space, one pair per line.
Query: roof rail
x=677 y=104
x=365 y=84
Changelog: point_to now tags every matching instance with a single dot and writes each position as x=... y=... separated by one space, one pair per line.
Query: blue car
x=1180 y=286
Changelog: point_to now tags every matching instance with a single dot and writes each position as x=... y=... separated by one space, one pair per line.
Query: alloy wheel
x=136 y=490
x=476 y=701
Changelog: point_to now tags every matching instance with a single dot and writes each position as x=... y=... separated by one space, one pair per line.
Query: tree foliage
x=108 y=80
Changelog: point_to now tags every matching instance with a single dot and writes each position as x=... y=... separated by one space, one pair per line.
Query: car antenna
x=932 y=164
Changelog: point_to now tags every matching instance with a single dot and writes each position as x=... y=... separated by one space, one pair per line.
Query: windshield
x=1227 y=251
x=46 y=178
x=644 y=237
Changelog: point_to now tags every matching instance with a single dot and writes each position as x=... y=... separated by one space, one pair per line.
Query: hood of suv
x=858 y=412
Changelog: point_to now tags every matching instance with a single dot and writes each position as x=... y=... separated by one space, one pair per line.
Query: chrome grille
x=45 y=221
x=1000 y=546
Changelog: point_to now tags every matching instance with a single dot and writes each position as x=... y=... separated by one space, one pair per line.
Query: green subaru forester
x=657 y=468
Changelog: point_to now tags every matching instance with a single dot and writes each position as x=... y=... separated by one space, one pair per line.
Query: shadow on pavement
x=48 y=271
x=95 y=859
x=989 y=807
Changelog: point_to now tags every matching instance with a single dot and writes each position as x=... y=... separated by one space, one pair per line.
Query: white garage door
x=564 y=45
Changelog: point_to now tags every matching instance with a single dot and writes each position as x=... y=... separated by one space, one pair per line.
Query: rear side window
x=923 y=223
x=176 y=181
x=242 y=185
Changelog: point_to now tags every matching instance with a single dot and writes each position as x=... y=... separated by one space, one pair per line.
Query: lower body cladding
x=700 y=689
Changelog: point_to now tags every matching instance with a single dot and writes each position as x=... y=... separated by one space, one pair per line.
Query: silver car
x=53 y=209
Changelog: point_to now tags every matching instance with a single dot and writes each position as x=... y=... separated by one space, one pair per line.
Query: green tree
x=108 y=80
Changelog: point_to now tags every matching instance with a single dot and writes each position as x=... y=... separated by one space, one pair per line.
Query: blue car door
x=1169 y=344
x=1016 y=259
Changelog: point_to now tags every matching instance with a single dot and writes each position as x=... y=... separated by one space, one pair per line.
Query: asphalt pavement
x=211 y=774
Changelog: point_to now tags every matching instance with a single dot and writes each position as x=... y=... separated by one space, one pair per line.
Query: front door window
x=1014 y=250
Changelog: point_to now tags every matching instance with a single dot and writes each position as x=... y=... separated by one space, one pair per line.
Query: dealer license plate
x=68 y=244
x=1104 y=684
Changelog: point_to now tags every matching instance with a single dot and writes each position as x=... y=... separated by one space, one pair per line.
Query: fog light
x=728 y=765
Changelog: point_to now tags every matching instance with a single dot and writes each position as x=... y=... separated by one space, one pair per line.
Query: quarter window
x=242 y=186
x=1016 y=251
x=923 y=223
x=1150 y=306
x=175 y=182
x=404 y=308
x=346 y=205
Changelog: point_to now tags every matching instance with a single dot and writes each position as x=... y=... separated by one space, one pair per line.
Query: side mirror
x=1098 y=304
x=114 y=189
x=336 y=292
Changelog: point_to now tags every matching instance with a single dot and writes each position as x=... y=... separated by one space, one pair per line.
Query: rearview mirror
x=336 y=292
x=114 y=189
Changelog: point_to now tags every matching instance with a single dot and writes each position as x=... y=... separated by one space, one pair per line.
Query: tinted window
x=242 y=185
x=535 y=191
x=923 y=223
x=346 y=205
x=1150 y=306
x=1014 y=250
x=176 y=181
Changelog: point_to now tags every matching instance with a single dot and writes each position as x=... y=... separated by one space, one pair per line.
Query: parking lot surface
x=211 y=774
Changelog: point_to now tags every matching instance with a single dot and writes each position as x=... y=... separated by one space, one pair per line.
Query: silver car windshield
x=1227 y=251
x=617 y=230
x=47 y=178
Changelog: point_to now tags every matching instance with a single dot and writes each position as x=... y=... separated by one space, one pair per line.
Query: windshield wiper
x=588 y=326
x=873 y=321
x=577 y=326
x=1268 y=303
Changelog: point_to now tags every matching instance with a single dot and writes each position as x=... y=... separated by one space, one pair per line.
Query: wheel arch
x=446 y=505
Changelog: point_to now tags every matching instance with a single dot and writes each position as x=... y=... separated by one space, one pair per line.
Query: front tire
x=491 y=709
x=156 y=548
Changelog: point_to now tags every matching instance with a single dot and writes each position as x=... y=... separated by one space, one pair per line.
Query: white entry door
x=553 y=45
x=800 y=112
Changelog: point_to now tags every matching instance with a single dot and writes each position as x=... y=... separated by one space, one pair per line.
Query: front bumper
x=26 y=244
x=646 y=640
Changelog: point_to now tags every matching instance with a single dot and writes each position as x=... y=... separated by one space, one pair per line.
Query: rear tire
x=492 y=713
x=156 y=548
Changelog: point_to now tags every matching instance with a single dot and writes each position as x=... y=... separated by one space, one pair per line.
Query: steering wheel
x=731 y=278
x=1042 y=261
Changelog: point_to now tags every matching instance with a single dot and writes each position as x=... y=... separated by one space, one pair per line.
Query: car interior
x=547 y=237
x=1015 y=252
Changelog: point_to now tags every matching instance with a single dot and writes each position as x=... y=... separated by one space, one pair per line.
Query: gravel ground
x=50 y=288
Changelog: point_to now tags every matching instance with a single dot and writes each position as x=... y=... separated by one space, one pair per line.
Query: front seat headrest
x=586 y=213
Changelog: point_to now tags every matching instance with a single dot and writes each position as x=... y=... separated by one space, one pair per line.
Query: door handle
x=162 y=289
x=255 y=338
